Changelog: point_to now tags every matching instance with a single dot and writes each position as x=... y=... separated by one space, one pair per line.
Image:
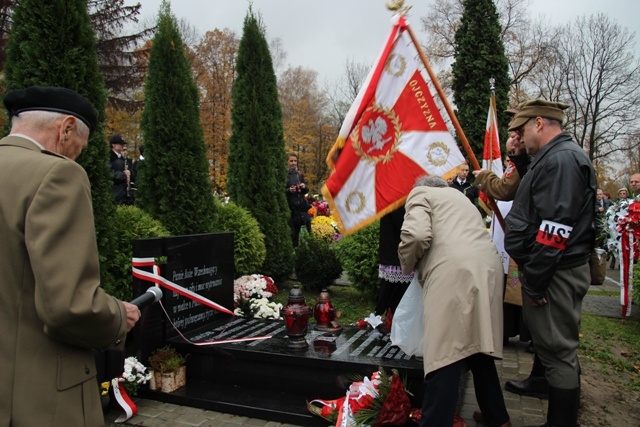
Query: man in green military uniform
x=505 y=188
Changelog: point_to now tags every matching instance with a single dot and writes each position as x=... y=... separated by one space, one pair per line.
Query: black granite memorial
x=201 y=263
x=255 y=378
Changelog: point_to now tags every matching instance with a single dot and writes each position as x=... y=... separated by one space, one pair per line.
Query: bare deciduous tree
x=340 y=95
x=600 y=78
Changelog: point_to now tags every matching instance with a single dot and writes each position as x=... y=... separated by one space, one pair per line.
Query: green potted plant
x=169 y=372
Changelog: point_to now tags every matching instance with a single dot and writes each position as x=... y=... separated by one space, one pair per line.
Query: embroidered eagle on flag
x=396 y=131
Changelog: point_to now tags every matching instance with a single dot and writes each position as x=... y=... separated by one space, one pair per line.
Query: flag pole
x=454 y=120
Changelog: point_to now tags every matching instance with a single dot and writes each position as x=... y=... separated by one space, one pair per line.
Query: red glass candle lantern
x=324 y=312
x=296 y=319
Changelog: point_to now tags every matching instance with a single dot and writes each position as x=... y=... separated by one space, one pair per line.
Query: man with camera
x=295 y=191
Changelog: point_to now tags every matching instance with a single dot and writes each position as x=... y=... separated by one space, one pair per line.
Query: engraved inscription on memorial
x=351 y=344
x=204 y=265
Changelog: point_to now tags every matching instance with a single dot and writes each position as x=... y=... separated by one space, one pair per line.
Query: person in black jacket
x=462 y=183
x=393 y=283
x=298 y=205
x=550 y=235
x=120 y=173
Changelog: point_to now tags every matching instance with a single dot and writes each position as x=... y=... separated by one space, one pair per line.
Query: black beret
x=56 y=99
x=116 y=139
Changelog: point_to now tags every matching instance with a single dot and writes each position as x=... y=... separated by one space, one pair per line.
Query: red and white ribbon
x=626 y=269
x=124 y=401
x=156 y=278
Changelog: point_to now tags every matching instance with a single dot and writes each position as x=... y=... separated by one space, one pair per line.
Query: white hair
x=430 y=181
x=38 y=118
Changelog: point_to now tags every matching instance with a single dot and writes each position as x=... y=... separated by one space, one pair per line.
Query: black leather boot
x=535 y=386
x=563 y=408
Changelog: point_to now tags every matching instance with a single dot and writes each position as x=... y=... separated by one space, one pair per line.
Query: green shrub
x=249 y=250
x=130 y=223
x=317 y=265
x=358 y=254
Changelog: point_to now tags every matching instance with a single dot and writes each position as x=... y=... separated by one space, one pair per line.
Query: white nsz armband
x=553 y=234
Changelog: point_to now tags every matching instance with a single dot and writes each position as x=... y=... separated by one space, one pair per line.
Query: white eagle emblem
x=373 y=134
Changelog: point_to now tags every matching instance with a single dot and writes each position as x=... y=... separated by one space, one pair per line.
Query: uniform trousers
x=555 y=326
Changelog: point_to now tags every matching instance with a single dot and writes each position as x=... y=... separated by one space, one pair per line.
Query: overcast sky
x=324 y=34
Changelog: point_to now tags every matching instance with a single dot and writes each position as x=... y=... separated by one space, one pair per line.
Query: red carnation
x=396 y=407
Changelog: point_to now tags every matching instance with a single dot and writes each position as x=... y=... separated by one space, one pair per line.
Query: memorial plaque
x=202 y=264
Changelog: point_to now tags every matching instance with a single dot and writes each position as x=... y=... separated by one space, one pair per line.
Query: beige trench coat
x=460 y=272
x=52 y=311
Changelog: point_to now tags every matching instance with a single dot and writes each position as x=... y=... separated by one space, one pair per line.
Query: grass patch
x=615 y=343
x=599 y=293
x=351 y=304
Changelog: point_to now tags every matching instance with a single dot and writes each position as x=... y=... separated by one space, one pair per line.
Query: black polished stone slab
x=200 y=263
x=262 y=379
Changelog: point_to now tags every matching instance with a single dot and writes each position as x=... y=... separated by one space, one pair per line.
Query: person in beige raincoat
x=461 y=275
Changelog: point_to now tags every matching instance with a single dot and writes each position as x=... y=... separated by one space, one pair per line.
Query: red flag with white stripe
x=397 y=130
x=491 y=157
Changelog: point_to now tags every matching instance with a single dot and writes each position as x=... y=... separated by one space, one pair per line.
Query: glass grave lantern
x=296 y=316
x=324 y=312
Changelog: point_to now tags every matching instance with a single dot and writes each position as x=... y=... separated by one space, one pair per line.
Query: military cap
x=55 y=99
x=513 y=110
x=117 y=139
x=538 y=108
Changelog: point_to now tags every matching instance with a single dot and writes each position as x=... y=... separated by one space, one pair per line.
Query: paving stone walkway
x=516 y=364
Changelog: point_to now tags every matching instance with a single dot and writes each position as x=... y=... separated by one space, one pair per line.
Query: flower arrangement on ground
x=135 y=374
x=623 y=215
x=324 y=227
x=623 y=225
x=252 y=297
x=322 y=208
x=379 y=401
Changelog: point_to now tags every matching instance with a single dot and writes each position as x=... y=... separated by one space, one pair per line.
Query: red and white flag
x=397 y=130
x=492 y=161
x=491 y=157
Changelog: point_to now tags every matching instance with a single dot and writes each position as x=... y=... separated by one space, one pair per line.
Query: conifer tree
x=257 y=163
x=173 y=182
x=52 y=43
x=479 y=56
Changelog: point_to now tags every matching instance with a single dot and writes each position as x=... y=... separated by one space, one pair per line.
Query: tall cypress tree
x=52 y=43
x=174 y=177
x=479 y=56
x=257 y=163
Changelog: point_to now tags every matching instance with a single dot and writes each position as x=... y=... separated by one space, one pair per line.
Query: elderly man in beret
x=53 y=312
x=550 y=235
